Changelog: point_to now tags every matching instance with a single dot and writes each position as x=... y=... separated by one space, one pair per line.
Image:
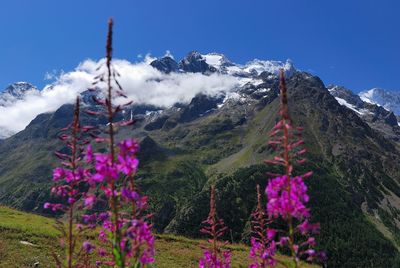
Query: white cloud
x=141 y=82
x=148 y=58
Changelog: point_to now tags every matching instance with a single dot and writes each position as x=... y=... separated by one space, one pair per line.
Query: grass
x=26 y=239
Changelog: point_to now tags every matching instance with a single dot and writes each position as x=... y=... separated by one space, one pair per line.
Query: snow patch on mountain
x=252 y=68
x=390 y=100
x=348 y=105
x=348 y=99
x=217 y=60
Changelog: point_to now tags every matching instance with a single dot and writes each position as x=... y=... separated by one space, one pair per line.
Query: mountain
x=353 y=149
x=10 y=95
x=16 y=91
x=377 y=117
x=390 y=100
x=165 y=64
x=195 y=62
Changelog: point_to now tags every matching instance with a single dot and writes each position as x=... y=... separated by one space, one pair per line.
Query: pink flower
x=88 y=247
x=262 y=255
x=129 y=146
x=209 y=260
x=306 y=227
x=127 y=165
x=287 y=196
x=271 y=234
x=53 y=207
x=58 y=174
x=89 y=200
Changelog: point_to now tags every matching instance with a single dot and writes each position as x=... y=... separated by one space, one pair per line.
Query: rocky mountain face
x=386 y=98
x=353 y=149
x=165 y=65
x=376 y=115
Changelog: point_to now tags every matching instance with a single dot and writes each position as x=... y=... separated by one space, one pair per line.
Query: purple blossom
x=308 y=228
x=214 y=256
x=58 y=174
x=53 y=207
x=89 y=200
x=261 y=255
x=129 y=146
x=287 y=196
x=88 y=247
x=130 y=195
x=210 y=260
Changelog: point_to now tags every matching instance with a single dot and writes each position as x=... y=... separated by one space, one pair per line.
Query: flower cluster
x=136 y=240
x=262 y=256
x=214 y=256
x=287 y=197
x=211 y=260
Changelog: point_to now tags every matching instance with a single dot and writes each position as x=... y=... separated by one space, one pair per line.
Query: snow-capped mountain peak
x=217 y=60
x=252 y=68
x=16 y=91
x=390 y=100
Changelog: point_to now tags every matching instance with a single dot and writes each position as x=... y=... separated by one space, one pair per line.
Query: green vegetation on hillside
x=26 y=239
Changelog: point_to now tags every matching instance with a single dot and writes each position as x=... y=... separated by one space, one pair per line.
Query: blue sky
x=355 y=43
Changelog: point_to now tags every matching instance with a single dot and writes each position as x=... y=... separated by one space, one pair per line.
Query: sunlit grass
x=17 y=228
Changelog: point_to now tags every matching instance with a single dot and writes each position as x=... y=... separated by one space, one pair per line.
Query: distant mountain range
x=250 y=73
x=353 y=146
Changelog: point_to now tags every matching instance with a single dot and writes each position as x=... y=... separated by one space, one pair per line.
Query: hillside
x=27 y=240
x=217 y=138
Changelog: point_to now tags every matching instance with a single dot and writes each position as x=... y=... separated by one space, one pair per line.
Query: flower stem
x=75 y=129
x=110 y=113
x=286 y=157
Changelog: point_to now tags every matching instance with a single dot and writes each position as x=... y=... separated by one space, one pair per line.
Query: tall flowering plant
x=125 y=234
x=214 y=256
x=263 y=247
x=70 y=186
x=287 y=196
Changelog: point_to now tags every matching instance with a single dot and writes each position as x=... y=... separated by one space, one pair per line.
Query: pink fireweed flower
x=263 y=246
x=287 y=193
x=287 y=197
x=106 y=170
x=308 y=228
x=58 y=174
x=89 y=200
x=70 y=184
x=129 y=146
x=53 y=207
x=141 y=237
x=128 y=165
x=210 y=260
x=262 y=256
x=213 y=255
x=137 y=241
x=124 y=228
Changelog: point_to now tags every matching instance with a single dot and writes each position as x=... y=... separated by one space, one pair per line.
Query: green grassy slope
x=26 y=239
